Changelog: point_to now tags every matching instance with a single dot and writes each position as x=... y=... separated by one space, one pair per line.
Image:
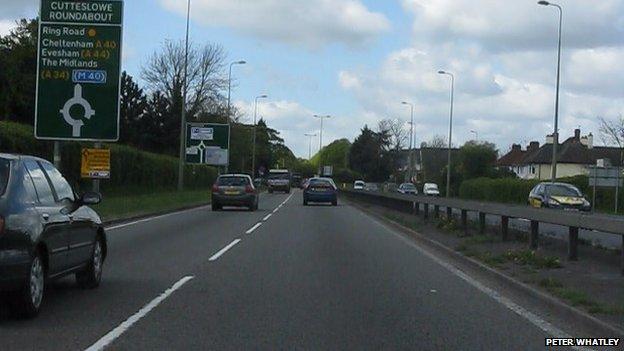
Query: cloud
x=518 y=25
x=6 y=26
x=304 y=23
x=12 y=9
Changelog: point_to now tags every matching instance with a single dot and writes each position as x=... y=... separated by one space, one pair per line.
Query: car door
x=538 y=196
x=54 y=222
x=81 y=229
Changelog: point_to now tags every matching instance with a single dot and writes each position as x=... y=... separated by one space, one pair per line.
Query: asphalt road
x=307 y=278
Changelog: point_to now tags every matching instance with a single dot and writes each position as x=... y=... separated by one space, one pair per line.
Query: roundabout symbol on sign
x=77 y=100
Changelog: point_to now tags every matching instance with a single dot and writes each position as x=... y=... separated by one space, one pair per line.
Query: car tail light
x=249 y=189
x=1 y=225
x=215 y=188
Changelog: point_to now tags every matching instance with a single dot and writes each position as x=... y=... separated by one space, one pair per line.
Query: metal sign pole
x=595 y=182
x=57 y=154
x=617 y=190
x=96 y=182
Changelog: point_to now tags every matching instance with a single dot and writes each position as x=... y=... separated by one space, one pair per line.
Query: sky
x=357 y=60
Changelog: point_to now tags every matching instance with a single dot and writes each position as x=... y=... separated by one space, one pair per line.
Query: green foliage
x=130 y=167
x=477 y=159
x=335 y=154
x=369 y=155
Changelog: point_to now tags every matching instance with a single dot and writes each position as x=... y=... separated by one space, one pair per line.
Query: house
x=574 y=157
x=429 y=163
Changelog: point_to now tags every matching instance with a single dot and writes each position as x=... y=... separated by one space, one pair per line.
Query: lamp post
x=321 y=143
x=182 y=159
x=229 y=105
x=450 y=144
x=476 y=135
x=310 y=145
x=556 y=132
x=253 y=152
x=411 y=143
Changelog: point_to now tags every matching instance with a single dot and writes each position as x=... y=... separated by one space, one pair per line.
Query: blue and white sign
x=89 y=76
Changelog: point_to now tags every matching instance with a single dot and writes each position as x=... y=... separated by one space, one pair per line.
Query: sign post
x=208 y=143
x=78 y=70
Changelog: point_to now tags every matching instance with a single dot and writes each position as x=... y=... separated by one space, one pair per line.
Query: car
x=297 y=180
x=279 y=180
x=559 y=196
x=234 y=190
x=408 y=189
x=359 y=185
x=320 y=190
x=431 y=189
x=371 y=187
x=47 y=232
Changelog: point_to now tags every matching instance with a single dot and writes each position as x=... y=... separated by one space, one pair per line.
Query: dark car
x=46 y=232
x=558 y=195
x=279 y=181
x=320 y=190
x=234 y=190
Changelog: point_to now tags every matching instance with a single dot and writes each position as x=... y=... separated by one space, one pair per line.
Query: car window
x=233 y=181
x=42 y=186
x=61 y=186
x=279 y=176
x=29 y=187
x=562 y=190
x=321 y=183
x=4 y=175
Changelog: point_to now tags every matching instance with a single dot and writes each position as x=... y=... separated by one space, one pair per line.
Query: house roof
x=514 y=157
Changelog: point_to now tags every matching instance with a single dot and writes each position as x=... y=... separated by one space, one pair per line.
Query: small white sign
x=215 y=156
x=193 y=150
x=198 y=133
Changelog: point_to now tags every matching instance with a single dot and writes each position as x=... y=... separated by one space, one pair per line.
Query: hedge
x=131 y=169
x=516 y=191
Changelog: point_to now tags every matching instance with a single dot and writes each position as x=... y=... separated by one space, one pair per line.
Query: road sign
x=78 y=70
x=207 y=143
x=95 y=164
x=605 y=177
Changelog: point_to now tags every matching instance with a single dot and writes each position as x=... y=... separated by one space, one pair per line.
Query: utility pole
x=321 y=143
x=229 y=105
x=450 y=144
x=182 y=160
x=310 y=136
x=253 y=152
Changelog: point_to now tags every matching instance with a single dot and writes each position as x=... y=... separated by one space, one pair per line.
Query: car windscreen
x=562 y=190
x=321 y=183
x=4 y=175
x=431 y=186
x=408 y=186
x=233 y=181
x=284 y=176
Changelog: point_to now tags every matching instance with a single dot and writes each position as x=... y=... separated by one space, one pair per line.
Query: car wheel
x=30 y=297
x=91 y=276
x=305 y=202
x=215 y=207
x=335 y=203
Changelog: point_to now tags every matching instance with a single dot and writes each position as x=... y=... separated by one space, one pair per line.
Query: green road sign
x=78 y=72
x=207 y=143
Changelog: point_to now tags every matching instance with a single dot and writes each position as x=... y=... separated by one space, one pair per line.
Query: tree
x=369 y=155
x=133 y=109
x=395 y=129
x=437 y=142
x=18 y=66
x=612 y=132
x=477 y=159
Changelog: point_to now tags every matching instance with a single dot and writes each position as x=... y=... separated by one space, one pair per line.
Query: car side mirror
x=91 y=198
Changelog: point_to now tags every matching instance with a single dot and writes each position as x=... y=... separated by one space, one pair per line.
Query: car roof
x=15 y=157
x=556 y=183
x=234 y=175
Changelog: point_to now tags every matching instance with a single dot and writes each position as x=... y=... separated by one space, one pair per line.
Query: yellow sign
x=95 y=163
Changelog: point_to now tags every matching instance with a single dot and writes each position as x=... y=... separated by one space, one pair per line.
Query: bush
x=516 y=191
x=131 y=169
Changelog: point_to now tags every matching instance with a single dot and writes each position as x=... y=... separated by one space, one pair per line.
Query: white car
x=431 y=189
x=359 y=185
x=407 y=189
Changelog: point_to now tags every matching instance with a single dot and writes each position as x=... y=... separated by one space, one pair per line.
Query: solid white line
x=275 y=210
x=224 y=250
x=123 y=327
x=253 y=228
x=531 y=317
x=267 y=217
x=123 y=225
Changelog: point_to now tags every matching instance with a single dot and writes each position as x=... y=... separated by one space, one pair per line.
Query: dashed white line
x=253 y=228
x=519 y=310
x=267 y=217
x=224 y=250
x=123 y=327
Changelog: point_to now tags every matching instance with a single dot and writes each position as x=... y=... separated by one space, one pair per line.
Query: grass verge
x=578 y=298
x=118 y=206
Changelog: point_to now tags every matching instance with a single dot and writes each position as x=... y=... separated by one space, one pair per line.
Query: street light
x=182 y=159
x=229 y=105
x=321 y=143
x=476 y=134
x=450 y=144
x=253 y=153
x=411 y=144
x=556 y=132
x=310 y=145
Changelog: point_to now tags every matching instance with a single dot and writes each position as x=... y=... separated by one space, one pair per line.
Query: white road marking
x=433 y=291
x=123 y=225
x=531 y=317
x=114 y=334
x=224 y=250
x=253 y=228
x=275 y=210
x=267 y=217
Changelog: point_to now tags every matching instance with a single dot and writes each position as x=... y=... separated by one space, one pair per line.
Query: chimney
x=516 y=147
x=590 y=141
x=577 y=134
x=533 y=146
x=550 y=139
